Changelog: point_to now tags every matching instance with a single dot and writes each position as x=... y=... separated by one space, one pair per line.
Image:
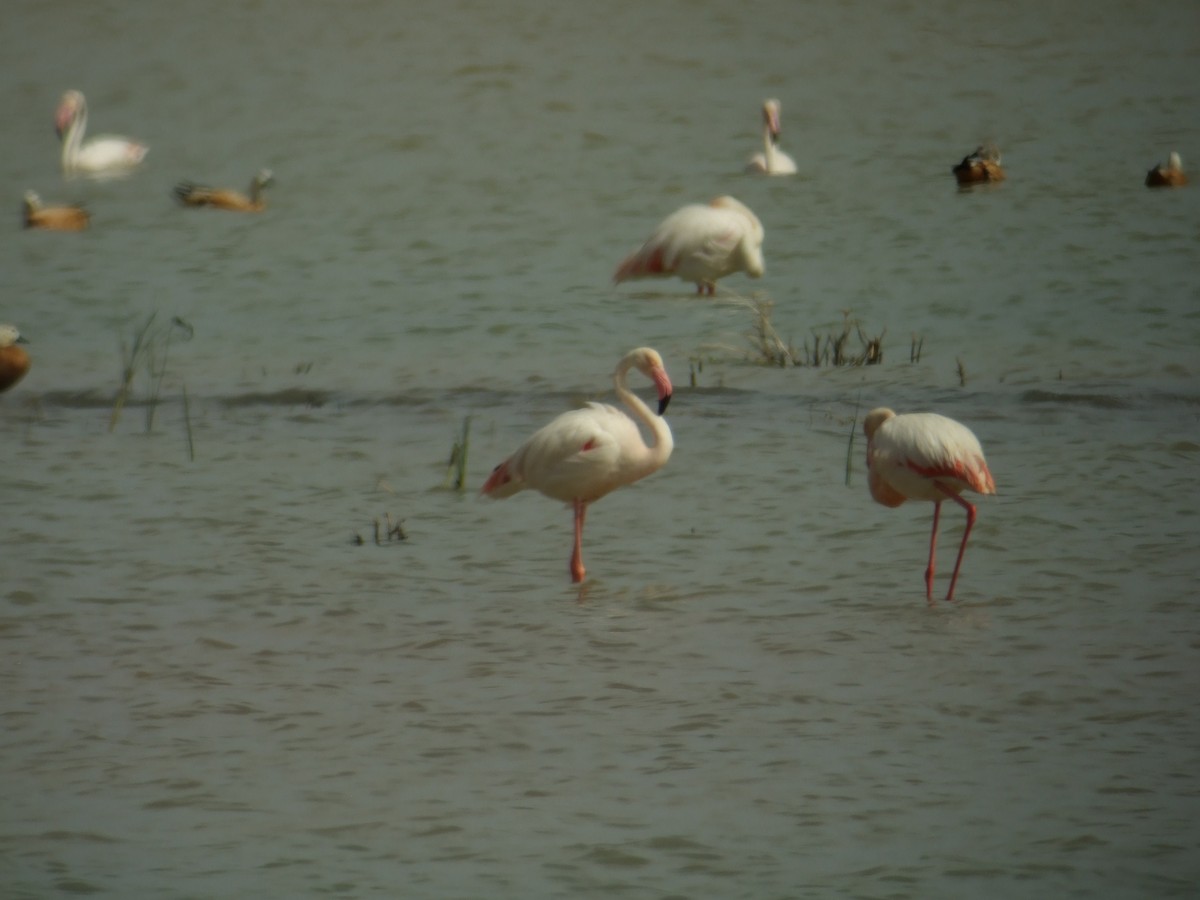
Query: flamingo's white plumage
x=587 y=453
x=104 y=156
x=925 y=456
x=700 y=243
x=772 y=160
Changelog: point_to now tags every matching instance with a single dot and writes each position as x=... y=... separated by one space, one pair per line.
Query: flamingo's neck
x=769 y=147
x=73 y=139
x=659 y=452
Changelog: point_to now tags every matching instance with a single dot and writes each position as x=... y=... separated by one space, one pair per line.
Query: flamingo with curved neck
x=104 y=156
x=587 y=453
x=772 y=161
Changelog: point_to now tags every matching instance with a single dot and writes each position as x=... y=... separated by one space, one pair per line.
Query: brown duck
x=53 y=218
x=190 y=194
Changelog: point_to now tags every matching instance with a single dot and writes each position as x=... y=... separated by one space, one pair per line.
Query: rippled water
x=216 y=683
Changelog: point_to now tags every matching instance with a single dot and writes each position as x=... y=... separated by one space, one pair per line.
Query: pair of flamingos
x=587 y=453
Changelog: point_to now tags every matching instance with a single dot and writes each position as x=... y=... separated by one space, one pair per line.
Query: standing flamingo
x=924 y=456
x=700 y=243
x=586 y=453
x=772 y=161
x=14 y=361
x=101 y=156
x=1170 y=175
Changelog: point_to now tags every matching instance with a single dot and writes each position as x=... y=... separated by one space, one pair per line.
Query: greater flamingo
x=101 y=156
x=223 y=198
x=924 y=456
x=14 y=361
x=982 y=165
x=1170 y=175
x=700 y=243
x=586 y=453
x=772 y=161
x=53 y=218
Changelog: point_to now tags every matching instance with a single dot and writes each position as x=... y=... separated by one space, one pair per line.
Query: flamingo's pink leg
x=937 y=510
x=962 y=548
x=577 y=569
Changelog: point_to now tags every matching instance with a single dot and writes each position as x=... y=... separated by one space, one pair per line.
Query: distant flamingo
x=772 y=161
x=700 y=243
x=14 y=361
x=980 y=166
x=586 y=453
x=190 y=194
x=101 y=156
x=53 y=218
x=924 y=456
x=1170 y=175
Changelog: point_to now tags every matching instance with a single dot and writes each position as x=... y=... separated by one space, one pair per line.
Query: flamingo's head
x=770 y=111
x=70 y=107
x=647 y=361
x=874 y=419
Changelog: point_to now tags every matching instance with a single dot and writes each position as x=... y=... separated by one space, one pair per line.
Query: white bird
x=772 y=161
x=101 y=156
x=586 y=453
x=700 y=243
x=924 y=456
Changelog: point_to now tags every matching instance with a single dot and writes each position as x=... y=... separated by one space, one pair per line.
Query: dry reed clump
x=826 y=349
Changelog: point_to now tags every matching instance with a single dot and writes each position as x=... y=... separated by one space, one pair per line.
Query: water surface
x=213 y=689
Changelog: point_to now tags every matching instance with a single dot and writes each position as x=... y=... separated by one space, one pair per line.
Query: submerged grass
x=147 y=353
x=456 y=465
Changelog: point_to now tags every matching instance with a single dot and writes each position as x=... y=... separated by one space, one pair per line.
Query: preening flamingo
x=14 y=361
x=53 y=218
x=586 y=453
x=1170 y=175
x=924 y=456
x=190 y=194
x=982 y=165
x=772 y=161
x=101 y=156
x=700 y=243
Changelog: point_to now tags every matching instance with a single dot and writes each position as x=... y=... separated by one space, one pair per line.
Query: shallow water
x=211 y=688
